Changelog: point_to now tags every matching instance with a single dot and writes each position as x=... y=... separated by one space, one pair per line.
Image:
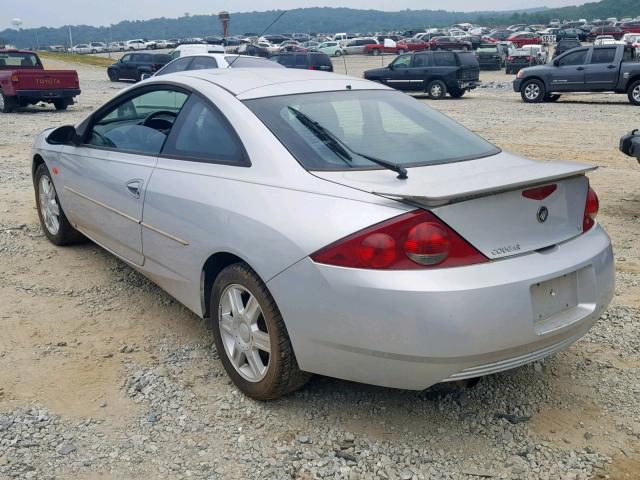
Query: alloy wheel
x=636 y=93
x=246 y=341
x=1 y=102
x=532 y=91
x=49 y=207
x=436 y=90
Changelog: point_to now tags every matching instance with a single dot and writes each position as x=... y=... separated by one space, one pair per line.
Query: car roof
x=246 y=83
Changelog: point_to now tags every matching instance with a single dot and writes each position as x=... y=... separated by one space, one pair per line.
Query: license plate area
x=553 y=297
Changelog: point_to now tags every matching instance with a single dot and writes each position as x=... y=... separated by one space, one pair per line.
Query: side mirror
x=556 y=63
x=144 y=76
x=65 y=135
x=391 y=67
x=630 y=144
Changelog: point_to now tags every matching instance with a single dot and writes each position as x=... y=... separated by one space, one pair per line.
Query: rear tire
x=60 y=104
x=338 y=53
x=457 y=93
x=375 y=52
x=634 y=93
x=55 y=226
x=437 y=90
x=533 y=91
x=7 y=104
x=240 y=334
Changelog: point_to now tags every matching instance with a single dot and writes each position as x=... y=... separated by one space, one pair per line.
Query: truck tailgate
x=36 y=79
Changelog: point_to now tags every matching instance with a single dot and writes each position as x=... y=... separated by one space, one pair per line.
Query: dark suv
x=304 y=60
x=133 y=65
x=566 y=45
x=436 y=73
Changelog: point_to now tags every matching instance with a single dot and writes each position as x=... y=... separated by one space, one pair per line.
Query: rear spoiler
x=490 y=183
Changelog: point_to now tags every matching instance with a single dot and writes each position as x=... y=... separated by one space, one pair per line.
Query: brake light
x=540 y=193
x=415 y=240
x=591 y=208
x=311 y=67
x=14 y=78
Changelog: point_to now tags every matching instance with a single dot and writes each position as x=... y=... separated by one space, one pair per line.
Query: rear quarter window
x=444 y=59
x=467 y=59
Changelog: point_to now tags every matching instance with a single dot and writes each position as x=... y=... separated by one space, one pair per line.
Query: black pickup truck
x=602 y=68
x=436 y=73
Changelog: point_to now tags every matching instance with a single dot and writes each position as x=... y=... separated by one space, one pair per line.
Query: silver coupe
x=327 y=224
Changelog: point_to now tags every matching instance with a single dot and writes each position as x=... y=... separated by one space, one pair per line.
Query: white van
x=340 y=37
x=195 y=49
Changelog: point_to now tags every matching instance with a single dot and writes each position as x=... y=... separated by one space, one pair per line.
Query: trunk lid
x=36 y=79
x=483 y=199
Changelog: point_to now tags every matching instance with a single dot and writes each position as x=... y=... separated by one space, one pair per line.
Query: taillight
x=311 y=67
x=14 y=78
x=591 y=207
x=510 y=59
x=415 y=240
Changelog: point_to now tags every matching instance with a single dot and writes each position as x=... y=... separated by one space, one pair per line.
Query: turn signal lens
x=415 y=240
x=591 y=208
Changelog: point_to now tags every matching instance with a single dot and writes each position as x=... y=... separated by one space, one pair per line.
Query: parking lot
x=105 y=376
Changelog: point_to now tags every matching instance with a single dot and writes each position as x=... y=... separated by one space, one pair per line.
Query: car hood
x=375 y=71
x=441 y=184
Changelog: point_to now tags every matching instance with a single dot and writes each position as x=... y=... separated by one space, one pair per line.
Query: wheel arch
x=535 y=77
x=631 y=81
x=210 y=271
x=35 y=163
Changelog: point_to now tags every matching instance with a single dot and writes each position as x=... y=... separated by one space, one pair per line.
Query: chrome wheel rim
x=436 y=90
x=1 y=101
x=636 y=93
x=244 y=334
x=49 y=207
x=532 y=91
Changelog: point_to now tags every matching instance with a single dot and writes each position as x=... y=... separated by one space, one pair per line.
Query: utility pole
x=70 y=39
x=37 y=41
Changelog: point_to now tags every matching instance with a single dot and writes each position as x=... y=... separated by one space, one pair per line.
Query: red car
x=449 y=43
x=525 y=38
x=631 y=27
x=402 y=46
x=24 y=81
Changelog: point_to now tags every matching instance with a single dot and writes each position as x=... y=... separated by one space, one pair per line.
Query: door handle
x=580 y=68
x=610 y=67
x=134 y=186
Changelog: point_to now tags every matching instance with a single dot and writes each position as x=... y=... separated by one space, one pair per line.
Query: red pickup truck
x=24 y=81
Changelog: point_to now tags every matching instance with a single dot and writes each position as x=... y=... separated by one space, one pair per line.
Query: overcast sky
x=54 y=13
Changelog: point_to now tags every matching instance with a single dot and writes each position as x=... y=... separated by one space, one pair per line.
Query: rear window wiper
x=340 y=148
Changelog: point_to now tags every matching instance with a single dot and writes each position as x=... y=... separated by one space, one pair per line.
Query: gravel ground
x=105 y=376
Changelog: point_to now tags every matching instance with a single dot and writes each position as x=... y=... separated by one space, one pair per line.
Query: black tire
x=113 y=75
x=507 y=71
x=375 y=52
x=551 y=97
x=634 y=93
x=60 y=104
x=437 y=90
x=533 y=91
x=7 y=104
x=338 y=53
x=457 y=93
x=283 y=375
x=66 y=234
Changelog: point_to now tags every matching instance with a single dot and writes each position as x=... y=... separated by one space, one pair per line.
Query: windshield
x=251 y=62
x=16 y=59
x=487 y=50
x=388 y=125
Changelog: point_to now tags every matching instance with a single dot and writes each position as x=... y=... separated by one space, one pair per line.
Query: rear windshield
x=248 y=62
x=16 y=59
x=385 y=124
x=483 y=49
x=467 y=59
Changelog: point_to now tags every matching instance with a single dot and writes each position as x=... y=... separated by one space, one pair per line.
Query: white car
x=137 y=44
x=115 y=47
x=537 y=51
x=607 y=40
x=204 y=61
x=98 y=47
x=161 y=44
x=195 y=49
x=82 y=48
x=457 y=33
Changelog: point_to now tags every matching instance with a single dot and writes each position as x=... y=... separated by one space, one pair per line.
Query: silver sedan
x=326 y=224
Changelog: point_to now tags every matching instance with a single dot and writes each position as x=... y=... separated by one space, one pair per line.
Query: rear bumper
x=468 y=84
x=490 y=63
x=48 y=94
x=411 y=329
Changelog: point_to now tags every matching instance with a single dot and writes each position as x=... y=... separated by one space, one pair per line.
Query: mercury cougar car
x=328 y=224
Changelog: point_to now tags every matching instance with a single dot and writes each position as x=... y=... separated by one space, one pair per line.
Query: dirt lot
x=105 y=376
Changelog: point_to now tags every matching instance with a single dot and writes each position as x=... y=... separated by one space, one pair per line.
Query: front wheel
x=533 y=91
x=634 y=93
x=250 y=336
x=113 y=76
x=53 y=221
x=375 y=52
x=338 y=53
x=437 y=90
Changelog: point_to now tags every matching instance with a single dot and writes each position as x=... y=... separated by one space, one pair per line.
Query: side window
x=402 y=61
x=574 y=58
x=286 y=60
x=444 y=59
x=200 y=63
x=603 y=55
x=202 y=134
x=301 y=60
x=140 y=124
x=421 y=60
x=178 y=65
x=126 y=58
